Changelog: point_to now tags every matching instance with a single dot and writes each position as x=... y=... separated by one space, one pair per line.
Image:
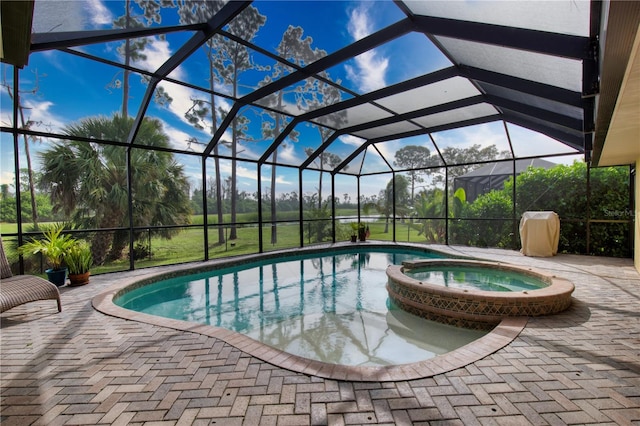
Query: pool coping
x=503 y=334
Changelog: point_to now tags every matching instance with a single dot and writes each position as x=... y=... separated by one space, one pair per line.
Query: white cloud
x=529 y=143
x=287 y=154
x=280 y=179
x=6 y=173
x=177 y=138
x=157 y=52
x=243 y=172
x=42 y=117
x=245 y=150
x=99 y=15
x=484 y=135
x=351 y=140
x=369 y=69
x=358 y=25
x=372 y=185
x=388 y=149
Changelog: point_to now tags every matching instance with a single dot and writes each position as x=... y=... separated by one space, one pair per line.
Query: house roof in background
x=502 y=168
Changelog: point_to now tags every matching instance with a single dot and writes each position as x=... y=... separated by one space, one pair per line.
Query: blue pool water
x=466 y=277
x=331 y=308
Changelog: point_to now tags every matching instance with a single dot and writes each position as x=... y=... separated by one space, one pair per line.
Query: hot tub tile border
x=475 y=309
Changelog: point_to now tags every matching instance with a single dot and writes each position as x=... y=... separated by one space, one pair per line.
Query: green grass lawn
x=188 y=245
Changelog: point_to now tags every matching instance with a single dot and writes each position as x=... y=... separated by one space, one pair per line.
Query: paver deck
x=83 y=367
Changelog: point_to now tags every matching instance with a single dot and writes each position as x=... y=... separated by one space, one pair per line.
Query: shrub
x=562 y=189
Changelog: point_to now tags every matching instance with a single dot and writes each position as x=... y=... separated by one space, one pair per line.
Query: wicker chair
x=17 y=290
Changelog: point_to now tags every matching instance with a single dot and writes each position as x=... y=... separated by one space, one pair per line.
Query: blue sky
x=70 y=87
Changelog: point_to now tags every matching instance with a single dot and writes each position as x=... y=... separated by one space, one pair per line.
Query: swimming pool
x=330 y=308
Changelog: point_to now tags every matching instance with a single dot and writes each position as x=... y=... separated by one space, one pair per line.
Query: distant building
x=492 y=176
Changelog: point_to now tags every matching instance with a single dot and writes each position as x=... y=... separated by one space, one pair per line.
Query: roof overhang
x=15 y=31
x=617 y=136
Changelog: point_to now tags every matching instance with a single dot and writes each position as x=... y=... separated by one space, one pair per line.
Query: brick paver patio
x=82 y=367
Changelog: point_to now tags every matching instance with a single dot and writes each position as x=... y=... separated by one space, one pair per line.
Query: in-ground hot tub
x=464 y=306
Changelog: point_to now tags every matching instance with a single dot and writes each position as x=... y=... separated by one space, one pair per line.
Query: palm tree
x=431 y=205
x=88 y=182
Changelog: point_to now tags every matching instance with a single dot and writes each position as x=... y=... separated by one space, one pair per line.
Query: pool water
x=332 y=308
x=466 y=277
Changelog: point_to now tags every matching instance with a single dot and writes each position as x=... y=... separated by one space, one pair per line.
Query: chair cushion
x=5 y=268
x=21 y=289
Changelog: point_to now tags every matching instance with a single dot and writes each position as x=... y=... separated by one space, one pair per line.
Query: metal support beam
x=278 y=140
x=333 y=208
x=319 y=151
x=542 y=90
x=222 y=128
x=449 y=106
x=260 y=216
x=300 y=208
x=353 y=102
x=228 y=12
x=404 y=86
x=537 y=113
x=363 y=45
x=441 y=128
x=351 y=156
x=219 y=20
x=65 y=39
x=132 y=237
x=548 y=43
x=574 y=140
x=205 y=208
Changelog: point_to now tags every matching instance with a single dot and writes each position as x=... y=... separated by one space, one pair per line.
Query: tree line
x=600 y=203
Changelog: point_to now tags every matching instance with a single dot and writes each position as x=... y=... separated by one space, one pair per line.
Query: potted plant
x=362 y=231
x=354 y=231
x=53 y=246
x=79 y=261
